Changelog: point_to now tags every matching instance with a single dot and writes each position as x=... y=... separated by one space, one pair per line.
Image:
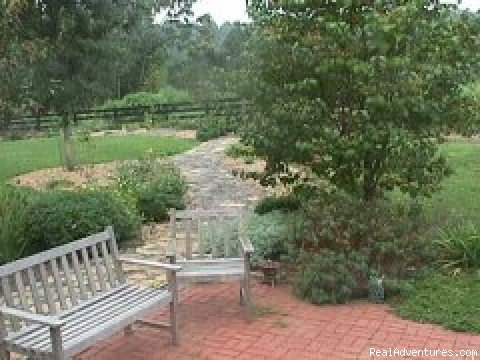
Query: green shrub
x=450 y=301
x=285 y=203
x=213 y=127
x=59 y=217
x=59 y=184
x=240 y=150
x=155 y=188
x=394 y=238
x=14 y=202
x=272 y=235
x=165 y=95
x=459 y=246
x=329 y=276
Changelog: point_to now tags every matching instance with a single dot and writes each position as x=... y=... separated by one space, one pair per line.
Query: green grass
x=450 y=301
x=23 y=156
x=461 y=191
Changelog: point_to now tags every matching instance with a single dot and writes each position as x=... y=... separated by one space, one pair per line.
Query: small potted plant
x=377 y=288
x=270 y=270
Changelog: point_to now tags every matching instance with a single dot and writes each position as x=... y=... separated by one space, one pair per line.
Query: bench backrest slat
x=47 y=290
x=68 y=277
x=21 y=291
x=188 y=239
x=117 y=264
x=55 y=280
x=88 y=268
x=58 y=283
x=98 y=268
x=79 y=276
x=34 y=290
x=8 y=298
x=108 y=265
x=198 y=233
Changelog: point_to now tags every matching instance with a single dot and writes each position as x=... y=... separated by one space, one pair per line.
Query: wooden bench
x=61 y=301
x=211 y=245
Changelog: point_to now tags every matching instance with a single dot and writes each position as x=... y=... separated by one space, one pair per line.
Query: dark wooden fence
x=119 y=116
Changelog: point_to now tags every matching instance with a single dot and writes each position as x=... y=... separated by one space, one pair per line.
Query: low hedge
x=154 y=188
x=14 y=202
x=59 y=217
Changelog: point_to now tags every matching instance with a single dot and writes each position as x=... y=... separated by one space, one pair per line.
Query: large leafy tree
x=203 y=56
x=16 y=57
x=82 y=49
x=360 y=92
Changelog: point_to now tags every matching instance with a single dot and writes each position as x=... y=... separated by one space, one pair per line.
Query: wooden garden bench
x=211 y=245
x=61 y=301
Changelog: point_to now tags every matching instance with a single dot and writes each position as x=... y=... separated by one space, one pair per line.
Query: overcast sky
x=235 y=10
x=222 y=10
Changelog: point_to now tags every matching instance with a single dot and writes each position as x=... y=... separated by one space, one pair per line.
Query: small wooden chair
x=211 y=246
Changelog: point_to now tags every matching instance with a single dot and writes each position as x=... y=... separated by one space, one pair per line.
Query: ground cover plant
x=23 y=156
x=213 y=127
x=154 y=188
x=33 y=221
x=444 y=299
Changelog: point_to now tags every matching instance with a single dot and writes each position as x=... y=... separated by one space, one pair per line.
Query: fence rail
x=124 y=115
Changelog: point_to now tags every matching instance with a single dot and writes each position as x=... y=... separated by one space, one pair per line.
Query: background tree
x=360 y=92
x=203 y=56
x=16 y=56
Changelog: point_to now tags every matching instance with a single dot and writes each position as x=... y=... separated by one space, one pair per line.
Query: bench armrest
x=247 y=246
x=156 y=264
x=51 y=321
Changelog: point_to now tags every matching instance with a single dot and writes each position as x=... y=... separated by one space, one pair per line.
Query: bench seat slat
x=80 y=323
x=84 y=327
x=79 y=310
x=81 y=307
x=211 y=273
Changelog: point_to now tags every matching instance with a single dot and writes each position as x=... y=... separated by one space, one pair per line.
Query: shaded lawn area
x=447 y=300
x=23 y=156
x=461 y=191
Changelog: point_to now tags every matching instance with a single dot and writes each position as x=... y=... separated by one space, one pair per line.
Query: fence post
x=68 y=149
x=113 y=123
x=37 y=122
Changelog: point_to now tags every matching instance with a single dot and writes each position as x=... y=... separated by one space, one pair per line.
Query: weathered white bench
x=211 y=245
x=61 y=301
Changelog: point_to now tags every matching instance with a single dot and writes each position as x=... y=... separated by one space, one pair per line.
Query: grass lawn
x=450 y=301
x=23 y=156
x=447 y=300
x=461 y=192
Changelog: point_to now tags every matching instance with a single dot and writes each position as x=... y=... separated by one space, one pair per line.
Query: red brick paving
x=213 y=326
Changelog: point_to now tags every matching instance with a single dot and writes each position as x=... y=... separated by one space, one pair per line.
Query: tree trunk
x=68 y=148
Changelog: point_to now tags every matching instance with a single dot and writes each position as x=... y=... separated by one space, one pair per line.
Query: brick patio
x=213 y=327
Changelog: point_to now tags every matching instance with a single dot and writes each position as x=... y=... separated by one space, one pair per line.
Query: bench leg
x=57 y=347
x=128 y=330
x=242 y=293
x=247 y=289
x=173 y=287
x=174 y=321
x=4 y=354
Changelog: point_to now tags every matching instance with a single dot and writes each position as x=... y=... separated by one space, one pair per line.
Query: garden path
x=211 y=185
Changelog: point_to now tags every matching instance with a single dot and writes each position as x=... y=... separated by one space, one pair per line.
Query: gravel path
x=211 y=184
